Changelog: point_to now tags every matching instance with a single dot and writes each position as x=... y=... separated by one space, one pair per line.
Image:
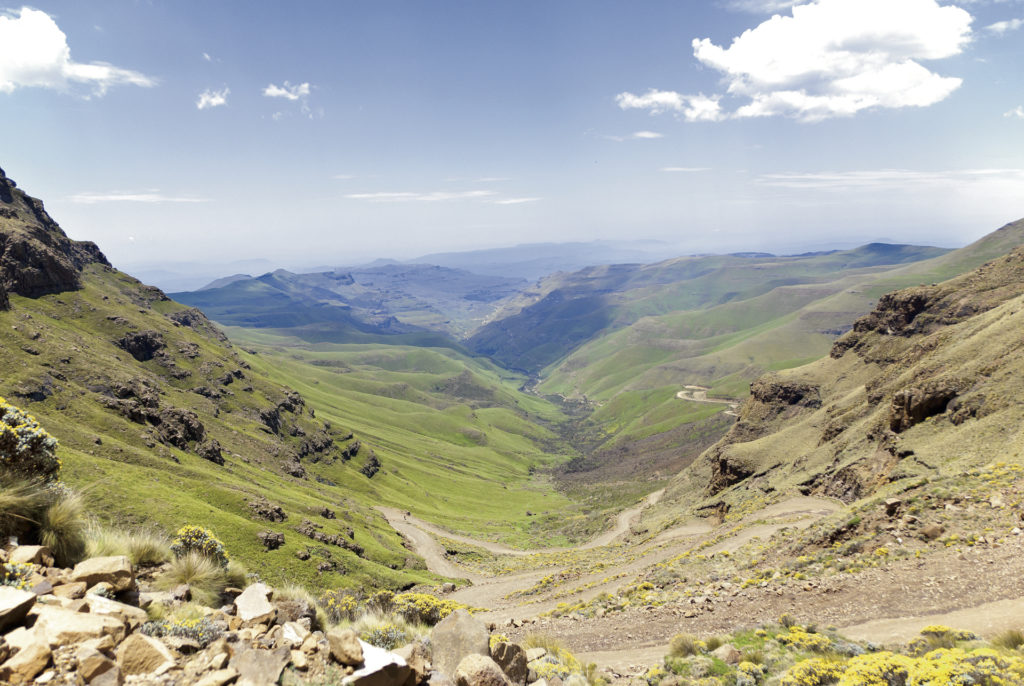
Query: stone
x=417 y=656
x=32 y=554
x=253 y=606
x=218 y=678
x=260 y=667
x=271 y=540
x=73 y=591
x=60 y=626
x=456 y=636
x=447 y=587
x=116 y=571
x=25 y=664
x=479 y=670
x=14 y=606
x=111 y=677
x=346 y=648
x=380 y=668
x=141 y=654
x=43 y=587
x=130 y=614
x=932 y=531
x=296 y=610
x=892 y=506
x=102 y=588
x=294 y=633
x=727 y=654
x=299 y=660
x=512 y=660
x=535 y=654
x=92 y=663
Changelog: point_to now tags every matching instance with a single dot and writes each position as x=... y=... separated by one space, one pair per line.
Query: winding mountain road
x=699 y=394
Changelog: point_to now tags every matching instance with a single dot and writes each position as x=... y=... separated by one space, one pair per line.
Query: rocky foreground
x=92 y=625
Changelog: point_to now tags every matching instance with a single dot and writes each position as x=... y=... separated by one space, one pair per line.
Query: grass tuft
x=22 y=502
x=144 y=547
x=683 y=645
x=1011 y=639
x=204 y=577
x=62 y=529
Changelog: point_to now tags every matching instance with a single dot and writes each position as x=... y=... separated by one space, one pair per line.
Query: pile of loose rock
x=89 y=626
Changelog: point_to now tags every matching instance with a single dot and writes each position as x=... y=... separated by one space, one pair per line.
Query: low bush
x=196 y=539
x=26 y=449
x=683 y=645
x=205 y=577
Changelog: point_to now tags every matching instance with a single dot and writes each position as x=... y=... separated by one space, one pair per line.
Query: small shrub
x=387 y=631
x=787 y=620
x=204 y=576
x=683 y=645
x=297 y=593
x=713 y=643
x=26 y=449
x=236 y=574
x=495 y=639
x=196 y=539
x=814 y=672
x=16 y=574
x=187 y=622
x=340 y=605
x=424 y=608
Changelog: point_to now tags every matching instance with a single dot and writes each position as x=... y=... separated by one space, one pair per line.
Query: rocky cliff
x=36 y=256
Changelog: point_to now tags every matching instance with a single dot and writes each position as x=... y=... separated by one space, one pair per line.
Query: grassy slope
x=61 y=346
x=724 y=347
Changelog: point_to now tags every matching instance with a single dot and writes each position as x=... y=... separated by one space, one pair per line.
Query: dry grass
x=683 y=645
x=22 y=502
x=1011 y=639
x=62 y=529
x=204 y=577
x=144 y=547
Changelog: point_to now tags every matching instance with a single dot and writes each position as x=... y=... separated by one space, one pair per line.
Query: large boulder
x=32 y=554
x=512 y=660
x=346 y=648
x=116 y=571
x=380 y=668
x=14 y=605
x=253 y=606
x=141 y=654
x=479 y=670
x=456 y=636
x=417 y=656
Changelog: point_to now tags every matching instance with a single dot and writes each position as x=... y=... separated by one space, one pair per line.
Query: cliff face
x=36 y=256
x=930 y=382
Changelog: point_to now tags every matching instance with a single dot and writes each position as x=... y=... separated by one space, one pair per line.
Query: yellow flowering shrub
x=197 y=539
x=425 y=608
x=876 y=669
x=496 y=639
x=813 y=672
x=800 y=639
x=339 y=605
x=26 y=449
x=982 y=667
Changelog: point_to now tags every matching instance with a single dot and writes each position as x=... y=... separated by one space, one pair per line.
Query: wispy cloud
x=1003 y=27
x=887 y=179
x=206 y=56
x=515 y=201
x=211 y=98
x=287 y=91
x=343 y=177
x=151 y=196
x=685 y=169
x=34 y=52
x=636 y=136
x=411 y=196
x=1017 y=112
x=829 y=58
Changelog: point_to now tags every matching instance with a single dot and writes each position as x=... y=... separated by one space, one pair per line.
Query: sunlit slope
x=458 y=442
x=724 y=347
x=566 y=311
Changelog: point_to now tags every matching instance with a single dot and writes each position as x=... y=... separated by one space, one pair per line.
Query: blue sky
x=334 y=132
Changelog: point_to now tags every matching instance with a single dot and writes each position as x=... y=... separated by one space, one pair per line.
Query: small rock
x=74 y=591
x=111 y=677
x=92 y=662
x=892 y=506
x=61 y=626
x=141 y=654
x=218 y=678
x=26 y=664
x=478 y=670
x=932 y=531
x=253 y=606
x=535 y=654
x=417 y=656
x=132 y=615
x=456 y=636
x=14 y=605
x=260 y=667
x=116 y=571
x=345 y=647
x=727 y=654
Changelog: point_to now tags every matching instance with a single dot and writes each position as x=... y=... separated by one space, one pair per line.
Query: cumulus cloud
x=828 y=58
x=1017 y=112
x=1003 y=27
x=34 y=52
x=212 y=98
x=287 y=91
x=150 y=196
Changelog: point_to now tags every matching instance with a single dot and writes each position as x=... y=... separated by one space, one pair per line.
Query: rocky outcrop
x=36 y=256
x=371 y=466
x=911 y=406
x=142 y=345
x=261 y=508
x=772 y=391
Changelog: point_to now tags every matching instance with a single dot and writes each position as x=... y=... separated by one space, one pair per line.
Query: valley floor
x=553 y=591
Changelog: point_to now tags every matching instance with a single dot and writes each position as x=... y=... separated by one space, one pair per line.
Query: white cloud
x=1017 y=112
x=895 y=180
x=1003 y=27
x=206 y=56
x=287 y=91
x=826 y=59
x=212 y=98
x=689 y=170
x=646 y=135
x=152 y=196
x=761 y=6
x=34 y=52
x=407 y=196
x=515 y=201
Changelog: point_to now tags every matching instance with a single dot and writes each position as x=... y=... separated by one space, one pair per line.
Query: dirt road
x=699 y=394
